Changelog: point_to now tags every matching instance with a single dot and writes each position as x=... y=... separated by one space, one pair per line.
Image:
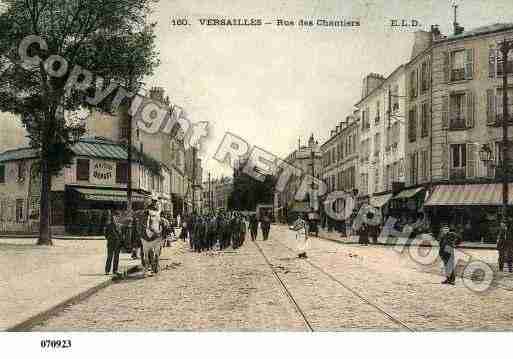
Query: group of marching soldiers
x=219 y=230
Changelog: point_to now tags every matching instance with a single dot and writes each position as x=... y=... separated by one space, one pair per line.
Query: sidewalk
x=427 y=240
x=36 y=281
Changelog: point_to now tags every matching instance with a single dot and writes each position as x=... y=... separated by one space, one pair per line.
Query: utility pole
x=129 y=152
x=505 y=48
x=194 y=180
x=209 y=193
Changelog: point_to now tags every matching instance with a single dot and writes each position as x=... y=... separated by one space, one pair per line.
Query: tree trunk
x=45 y=235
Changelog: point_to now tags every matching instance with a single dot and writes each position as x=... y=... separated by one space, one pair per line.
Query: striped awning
x=380 y=201
x=486 y=194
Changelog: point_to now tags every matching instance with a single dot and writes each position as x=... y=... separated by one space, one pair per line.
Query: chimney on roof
x=457 y=28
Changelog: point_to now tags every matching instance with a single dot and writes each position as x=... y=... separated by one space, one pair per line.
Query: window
x=412 y=124
x=414 y=168
x=2 y=173
x=377 y=144
x=457 y=111
x=425 y=77
x=458 y=65
x=395 y=98
x=414 y=77
x=365 y=119
x=499 y=101
x=496 y=63
x=365 y=183
x=458 y=161
x=21 y=171
x=19 y=210
x=424 y=118
x=122 y=172
x=378 y=114
x=82 y=170
x=424 y=165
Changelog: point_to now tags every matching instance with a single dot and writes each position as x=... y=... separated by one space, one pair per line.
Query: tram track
x=333 y=279
x=285 y=290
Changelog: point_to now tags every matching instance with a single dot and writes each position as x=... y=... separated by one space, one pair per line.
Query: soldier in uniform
x=505 y=247
x=265 y=224
x=253 y=226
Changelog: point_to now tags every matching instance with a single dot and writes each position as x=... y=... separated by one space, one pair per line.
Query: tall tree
x=112 y=39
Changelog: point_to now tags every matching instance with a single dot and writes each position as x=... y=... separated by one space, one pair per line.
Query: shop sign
x=103 y=172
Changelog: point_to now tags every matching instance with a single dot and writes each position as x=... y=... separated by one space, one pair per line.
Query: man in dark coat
x=113 y=237
x=265 y=224
x=253 y=227
x=448 y=241
x=505 y=247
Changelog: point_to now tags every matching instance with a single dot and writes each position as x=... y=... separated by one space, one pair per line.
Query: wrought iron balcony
x=457 y=123
x=458 y=74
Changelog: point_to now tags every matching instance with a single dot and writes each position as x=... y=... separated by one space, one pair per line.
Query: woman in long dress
x=301 y=228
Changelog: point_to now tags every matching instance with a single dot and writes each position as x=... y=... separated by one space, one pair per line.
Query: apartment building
x=340 y=159
x=382 y=136
x=454 y=105
x=306 y=158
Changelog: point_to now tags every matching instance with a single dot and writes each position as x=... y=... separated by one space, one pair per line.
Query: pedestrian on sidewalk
x=253 y=226
x=265 y=224
x=301 y=228
x=448 y=241
x=505 y=247
x=113 y=237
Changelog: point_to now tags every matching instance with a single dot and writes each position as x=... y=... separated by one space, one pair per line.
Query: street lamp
x=505 y=48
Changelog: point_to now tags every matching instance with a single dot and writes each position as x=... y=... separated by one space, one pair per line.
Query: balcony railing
x=457 y=123
x=458 y=74
x=457 y=173
x=498 y=120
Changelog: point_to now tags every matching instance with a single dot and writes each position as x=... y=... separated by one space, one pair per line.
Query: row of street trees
x=111 y=38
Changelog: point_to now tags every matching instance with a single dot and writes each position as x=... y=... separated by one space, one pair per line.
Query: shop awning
x=486 y=194
x=408 y=193
x=107 y=195
x=380 y=201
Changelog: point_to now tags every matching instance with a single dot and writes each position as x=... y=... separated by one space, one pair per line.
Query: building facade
x=340 y=160
x=82 y=193
x=307 y=161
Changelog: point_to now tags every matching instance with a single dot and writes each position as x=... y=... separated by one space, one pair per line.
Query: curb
x=29 y=323
x=407 y=244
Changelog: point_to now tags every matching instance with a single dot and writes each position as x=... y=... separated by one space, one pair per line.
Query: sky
x=274 y=85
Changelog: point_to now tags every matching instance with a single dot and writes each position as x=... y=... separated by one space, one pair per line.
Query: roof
x=100 y=148
x=19 y=154
x=94 y=147
x=480 y=31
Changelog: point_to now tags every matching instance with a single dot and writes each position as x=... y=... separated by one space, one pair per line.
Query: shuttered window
x=19 y=210
x=82 y=170
x=412 y=124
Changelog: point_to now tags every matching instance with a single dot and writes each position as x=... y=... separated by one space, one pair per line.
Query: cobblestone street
x=339 y=287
